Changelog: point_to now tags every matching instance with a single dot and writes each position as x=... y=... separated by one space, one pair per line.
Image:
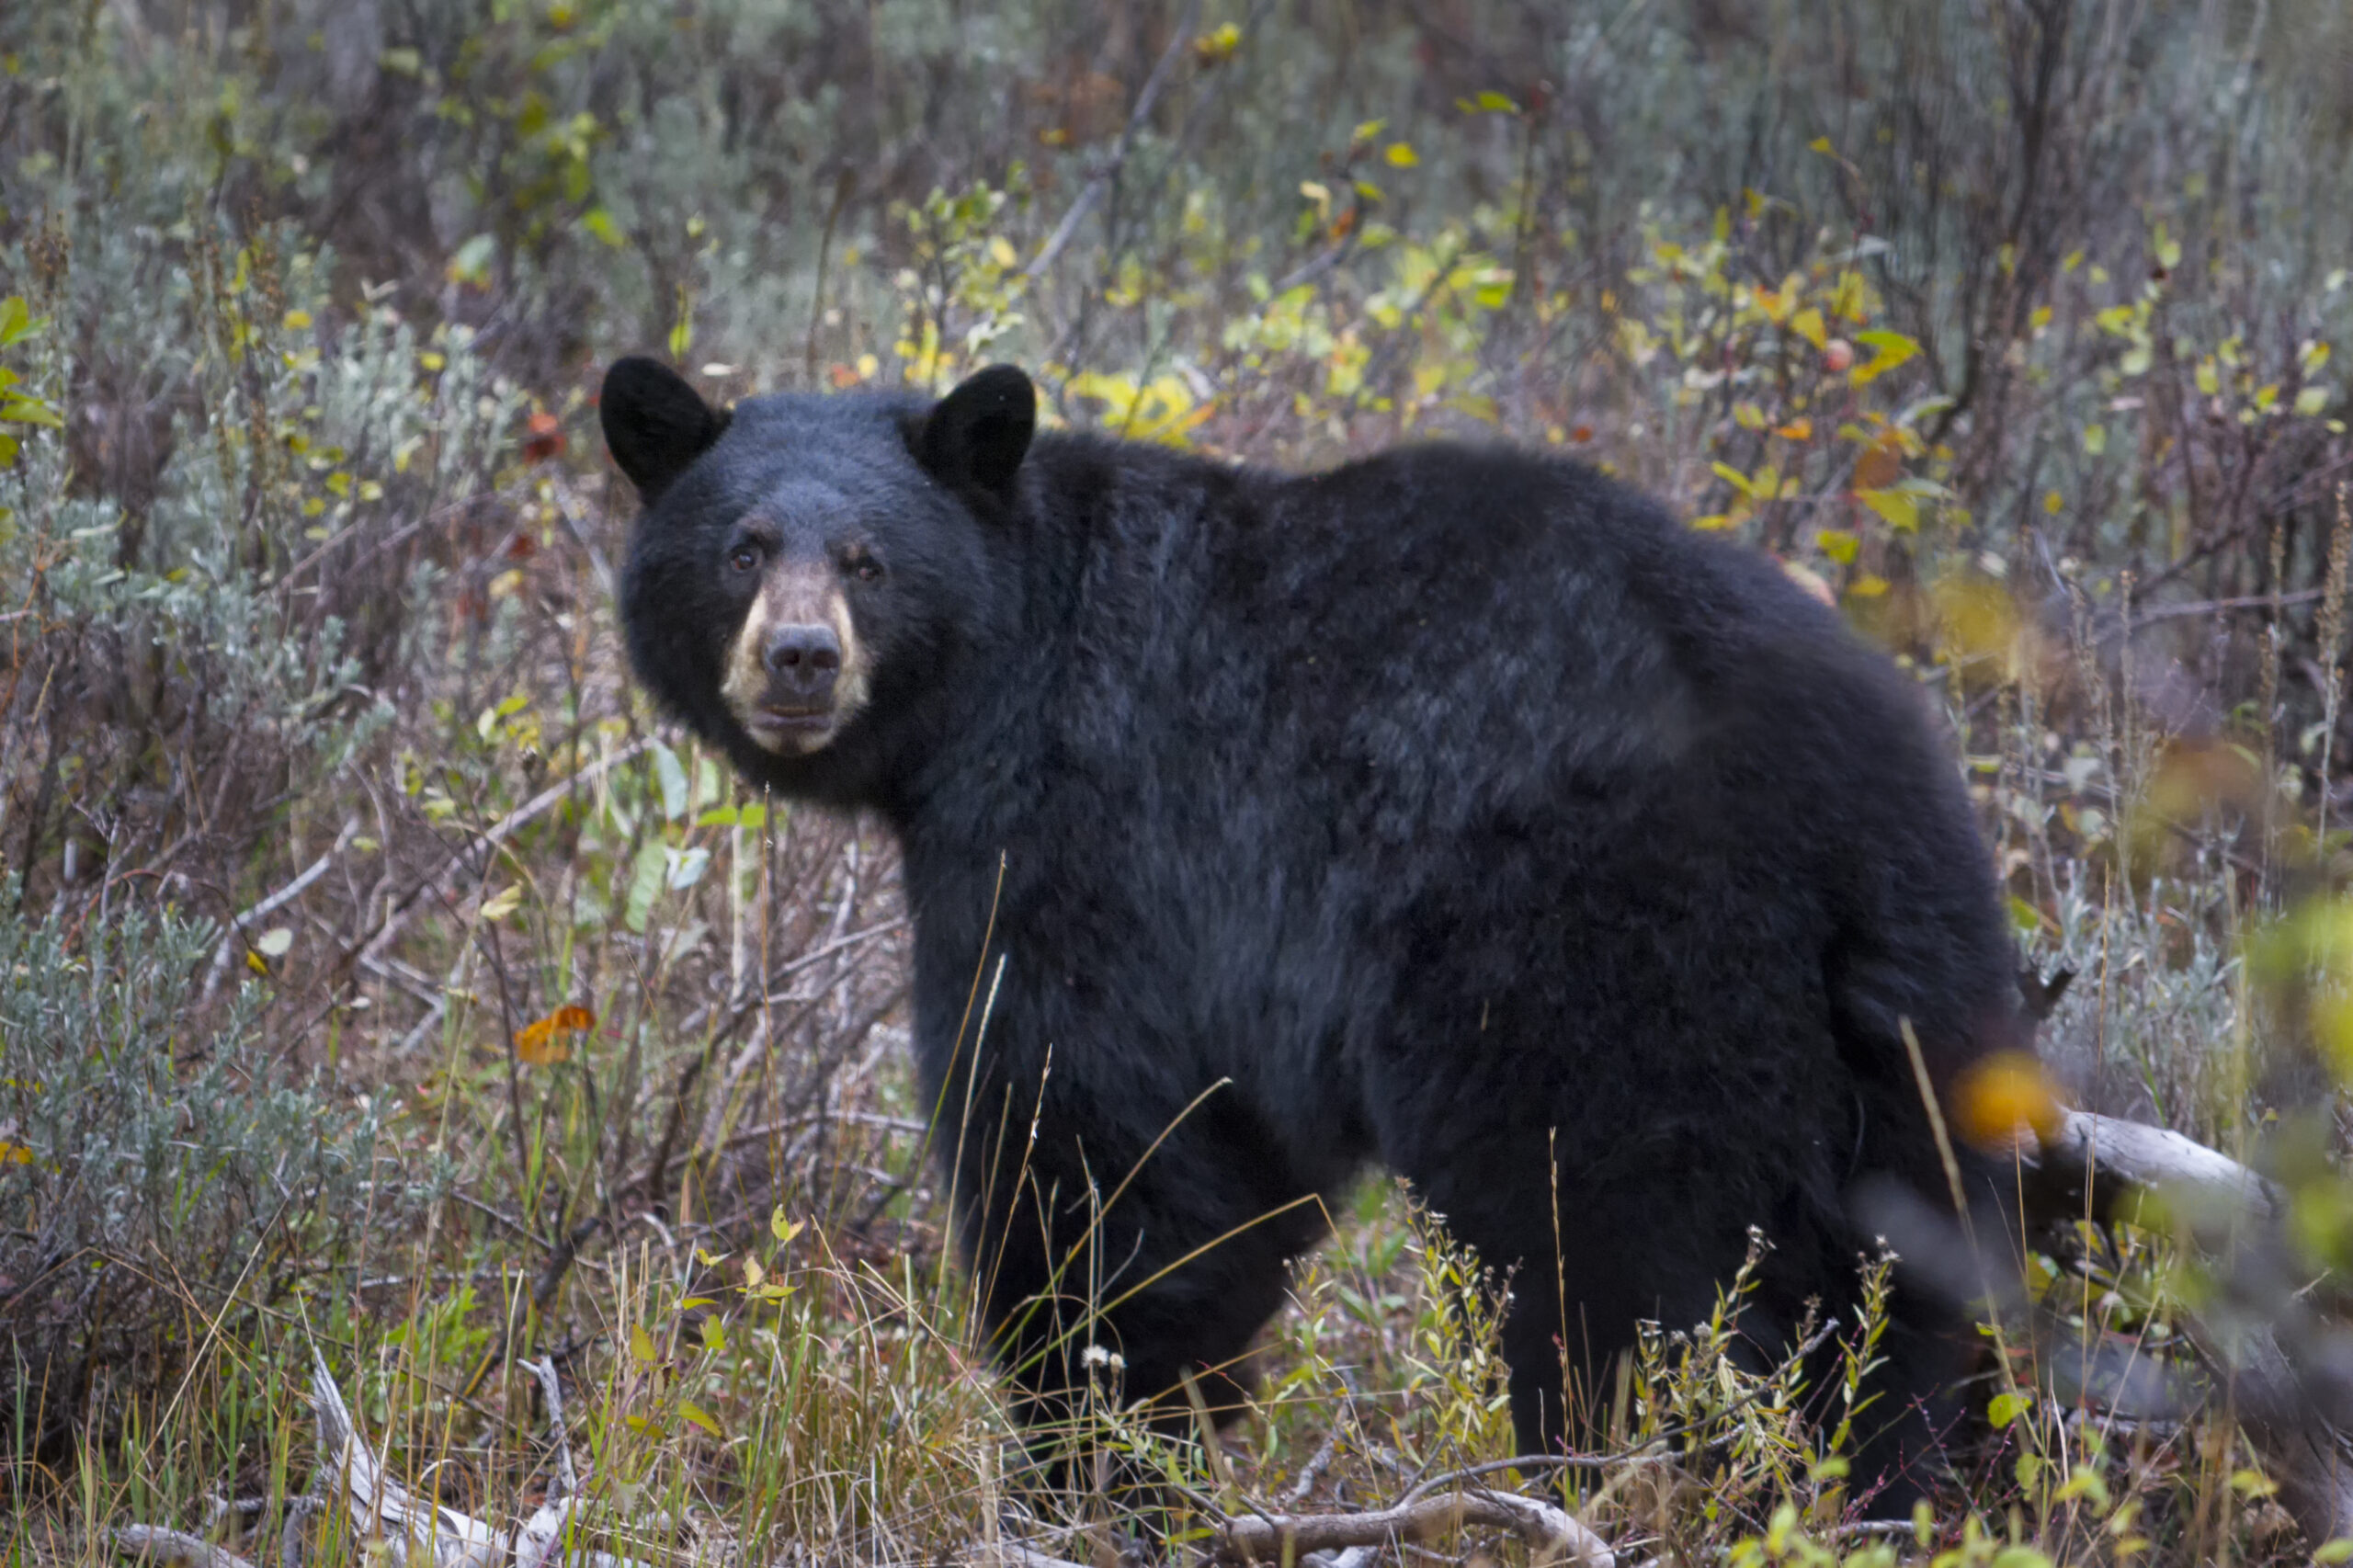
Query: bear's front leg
x=1121 y=1241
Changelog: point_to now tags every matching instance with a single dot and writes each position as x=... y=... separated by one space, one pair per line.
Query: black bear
x=1456 y=810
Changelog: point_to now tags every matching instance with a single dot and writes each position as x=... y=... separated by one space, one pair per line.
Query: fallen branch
x=172 y=1549
x=2095 y=1162
x=2284 y=1372
x=1553 y=1536
x=426 y=1535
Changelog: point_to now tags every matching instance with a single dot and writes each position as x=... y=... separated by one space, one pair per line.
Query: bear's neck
x=1106 y=539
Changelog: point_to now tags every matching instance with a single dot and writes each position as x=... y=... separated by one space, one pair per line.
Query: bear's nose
x=803 y=660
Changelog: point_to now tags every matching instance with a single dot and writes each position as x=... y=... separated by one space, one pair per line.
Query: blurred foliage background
x=378 y=974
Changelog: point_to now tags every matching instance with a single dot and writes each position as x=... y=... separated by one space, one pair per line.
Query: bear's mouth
x=772 y=721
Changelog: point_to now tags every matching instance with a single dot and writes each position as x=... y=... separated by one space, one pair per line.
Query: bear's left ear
x=979 y=433
x=655 y=424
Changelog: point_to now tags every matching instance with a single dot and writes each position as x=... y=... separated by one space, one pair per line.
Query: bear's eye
x=865 y=569
x=745 y=557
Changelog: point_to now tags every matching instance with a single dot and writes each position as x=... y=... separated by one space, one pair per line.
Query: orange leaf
x=545 y=438
x=1877 y=468
x=542 y=1044
x=2002 y=1098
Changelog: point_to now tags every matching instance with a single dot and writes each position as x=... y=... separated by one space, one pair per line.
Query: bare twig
x=1098 y=184
x=488 y=843
x=231 y=938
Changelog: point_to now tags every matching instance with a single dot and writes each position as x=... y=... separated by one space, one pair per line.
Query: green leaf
x=699 y=1417
x=2311 y=401
x=641 y=1344
x=687 y=867
x=644 y=886
x=471 y=261
x=2008 y=1406
x=670 y=774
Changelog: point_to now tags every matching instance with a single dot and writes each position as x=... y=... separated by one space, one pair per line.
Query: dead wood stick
x=2284 y=1373
x=173 y=1548
x=2095 y=1161
x=1555 y=1538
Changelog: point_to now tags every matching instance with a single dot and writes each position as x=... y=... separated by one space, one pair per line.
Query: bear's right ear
x=654 y=423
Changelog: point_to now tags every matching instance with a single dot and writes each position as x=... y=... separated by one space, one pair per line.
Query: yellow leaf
x=1734 y=478
x=784 y=1229
x=1889 y=349
x=2052 y=501
x=254 y=961
x=1807 y=324
x=2311 y=401
x=14 y=1153
x=1216 y=48
x=1401 y=156
x=1870 y=586
x=1901 y=510
x=505 y=902
x=1820 y=144
x=700 y=1417
x=1839 y=544
x=1800 y=429
x=641 y=1344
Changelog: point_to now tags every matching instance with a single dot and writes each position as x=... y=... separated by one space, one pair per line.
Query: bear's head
x=806 y=565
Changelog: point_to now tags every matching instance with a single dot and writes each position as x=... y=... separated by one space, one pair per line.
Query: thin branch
x=489 y=842
x=239 y=925
x=1098 y=184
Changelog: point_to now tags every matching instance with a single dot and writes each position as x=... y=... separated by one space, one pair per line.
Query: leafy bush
x=165 y=1178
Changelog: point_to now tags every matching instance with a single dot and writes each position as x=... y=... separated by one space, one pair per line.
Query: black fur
x=1456 y=810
